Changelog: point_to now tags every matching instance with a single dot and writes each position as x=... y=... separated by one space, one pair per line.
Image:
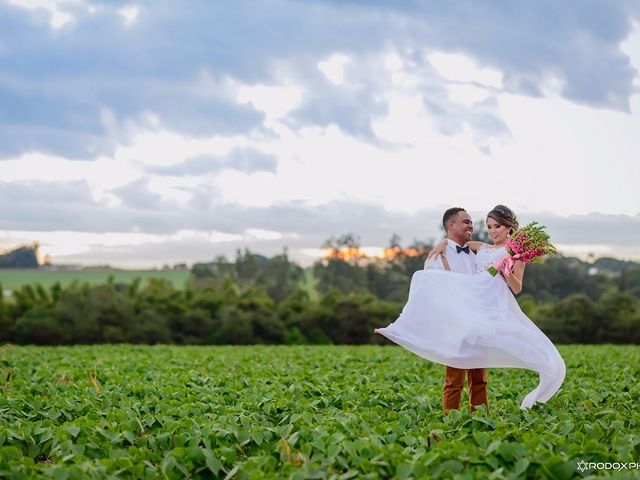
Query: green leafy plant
x=302 y=412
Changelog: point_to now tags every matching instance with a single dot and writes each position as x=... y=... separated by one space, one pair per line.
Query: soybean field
x=339 y=412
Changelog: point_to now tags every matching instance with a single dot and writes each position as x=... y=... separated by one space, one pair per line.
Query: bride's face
x=497 y=232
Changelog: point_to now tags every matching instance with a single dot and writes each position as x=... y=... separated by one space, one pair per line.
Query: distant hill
x=614 y=265
x=21 y=257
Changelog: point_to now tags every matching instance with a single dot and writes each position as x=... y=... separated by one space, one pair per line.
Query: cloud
x=247 y=160
x=132 y=248
x=57 y=79
x=14 y=194
x=460 y=68
x=333 y=67
x=594 y=228
x=290 y=122
x=137 y=195
x=61 y=13
x=275 y=102
x=69 y=207
x=129 y=13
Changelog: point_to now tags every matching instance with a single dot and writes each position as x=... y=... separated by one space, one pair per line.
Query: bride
x=474 y=321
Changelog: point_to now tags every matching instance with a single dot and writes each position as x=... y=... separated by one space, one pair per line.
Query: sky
x=152 y=133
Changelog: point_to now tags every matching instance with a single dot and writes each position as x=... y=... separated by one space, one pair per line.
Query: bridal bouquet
x=529 y=244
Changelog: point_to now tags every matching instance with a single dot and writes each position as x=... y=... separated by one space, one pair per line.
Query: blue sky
x=143 y=133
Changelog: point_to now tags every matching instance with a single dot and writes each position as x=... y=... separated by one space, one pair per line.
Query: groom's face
x=462 y=226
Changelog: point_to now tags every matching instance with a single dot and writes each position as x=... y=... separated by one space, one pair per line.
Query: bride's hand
x=438 y=249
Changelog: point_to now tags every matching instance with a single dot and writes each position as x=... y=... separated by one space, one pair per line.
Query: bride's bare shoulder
x=483 y=246
x=476 y=245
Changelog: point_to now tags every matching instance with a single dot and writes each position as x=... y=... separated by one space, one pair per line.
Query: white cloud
x=631 y=46
x=213 y=236
x=263 y=234
x=102 y=174
x=460 y=68
x=275 y=102
x=259 y=189
x=59 y=16
x=568 y=158
x=173 y=189
x=129 y=14
x=60 y=244
x=319 y=165
x=164 y=147
x=393 y=62
x=552 y=84
x=333 y=67
x=407 y=121
x=467 y=94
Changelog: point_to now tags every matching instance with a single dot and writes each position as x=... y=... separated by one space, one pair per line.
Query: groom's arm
x=434 y=263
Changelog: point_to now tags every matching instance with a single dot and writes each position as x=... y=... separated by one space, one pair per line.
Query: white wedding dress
x=474 y=321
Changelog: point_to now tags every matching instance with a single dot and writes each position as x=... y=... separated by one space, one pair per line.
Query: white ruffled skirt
x=474 y=321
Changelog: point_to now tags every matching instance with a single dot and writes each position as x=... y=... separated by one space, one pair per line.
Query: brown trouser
x=454 y=382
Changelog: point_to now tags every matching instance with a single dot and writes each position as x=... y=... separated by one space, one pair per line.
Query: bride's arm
x=514 y=279
x=476 y=245
x=438 y=249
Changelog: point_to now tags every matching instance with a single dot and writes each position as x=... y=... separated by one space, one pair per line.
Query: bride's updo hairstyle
x=505 y=217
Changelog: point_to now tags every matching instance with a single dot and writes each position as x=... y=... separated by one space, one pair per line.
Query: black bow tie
x=462 y=249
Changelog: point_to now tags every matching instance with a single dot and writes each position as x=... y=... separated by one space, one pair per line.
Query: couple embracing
x=463 y=317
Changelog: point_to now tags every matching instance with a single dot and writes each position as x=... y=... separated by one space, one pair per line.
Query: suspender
x=445 y=262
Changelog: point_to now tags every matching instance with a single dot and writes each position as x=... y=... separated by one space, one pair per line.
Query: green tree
x=150 y=327
x=279 y=276
x=574 y=319
x=261 y=309
x=620 y=318
x=558 y=277
x=292 y=308
x=6 y=323
x=75 y=315
x=629 y=281
x=114 y=312
x=234 y=328
x=528 y=305
x=193 y=326
x=39 y=326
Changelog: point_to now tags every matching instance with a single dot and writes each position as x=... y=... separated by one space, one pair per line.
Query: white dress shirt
x=459 y=262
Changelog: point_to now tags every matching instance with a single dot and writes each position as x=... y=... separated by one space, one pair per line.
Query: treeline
x=388 y=279
x=613 y=318
x=340 y=299
x=159 y=313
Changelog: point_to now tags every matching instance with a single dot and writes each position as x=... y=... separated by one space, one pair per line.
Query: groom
x=458 y=258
